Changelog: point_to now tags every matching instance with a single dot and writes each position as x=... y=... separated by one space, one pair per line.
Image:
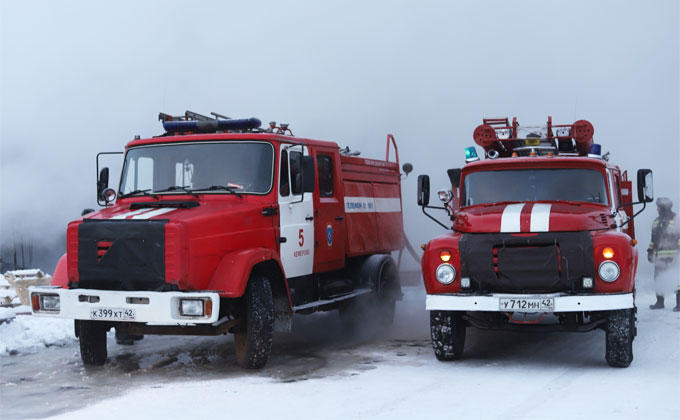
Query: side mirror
x=407 y=168
x=308 y=173
x=423 y=190
x=645 y=185
x=102 y=183
x=454 y=177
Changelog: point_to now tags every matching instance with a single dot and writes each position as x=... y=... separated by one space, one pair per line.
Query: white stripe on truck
x=128 y=214
x=372 y=205
x=153 y=213
x=145 y=213
x=510 y=218
x=540 y=218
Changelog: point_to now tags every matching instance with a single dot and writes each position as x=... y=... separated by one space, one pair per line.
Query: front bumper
x=160 y=308
x=562 y=302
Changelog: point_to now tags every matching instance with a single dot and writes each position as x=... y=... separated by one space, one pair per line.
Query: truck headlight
x=45 y=302
x=609 y=271
x=446 y=274
x=191 y=307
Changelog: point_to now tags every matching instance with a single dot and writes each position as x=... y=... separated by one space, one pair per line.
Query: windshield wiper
x=177 y=188
x=143 y=192
x=224 y=188
x=496 y=203
x=575 y=203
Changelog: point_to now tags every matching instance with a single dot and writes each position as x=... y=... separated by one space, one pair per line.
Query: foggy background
x=78 y=78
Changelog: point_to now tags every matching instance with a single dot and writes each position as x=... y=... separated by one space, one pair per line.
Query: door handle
x=340 y=218
x=309 y=218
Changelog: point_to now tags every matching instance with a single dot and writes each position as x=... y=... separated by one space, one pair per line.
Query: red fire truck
x=542 y=239
x=219 y=226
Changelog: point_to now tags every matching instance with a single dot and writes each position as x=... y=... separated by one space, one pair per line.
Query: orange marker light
x=445 y=256
x=608 y=253
x=35 y=302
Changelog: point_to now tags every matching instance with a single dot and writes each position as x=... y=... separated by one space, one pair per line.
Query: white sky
x=82 y=77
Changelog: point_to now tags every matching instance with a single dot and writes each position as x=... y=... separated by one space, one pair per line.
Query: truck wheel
x=92 y=336
x=253 y=338
x=448 y=334
x=386 y=299
x=620 y=334
x=374 y=310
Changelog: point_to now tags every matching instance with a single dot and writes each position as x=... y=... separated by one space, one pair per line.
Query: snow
x=29 y=334
x=315 y=373
x=3 y=282
x=7 y=293
x=502 y=377
x=28 y=273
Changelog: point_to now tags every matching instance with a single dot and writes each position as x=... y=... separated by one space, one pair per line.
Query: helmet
x=664 y=203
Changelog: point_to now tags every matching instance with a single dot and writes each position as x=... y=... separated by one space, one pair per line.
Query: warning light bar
x=505 y=138
x=211 y=126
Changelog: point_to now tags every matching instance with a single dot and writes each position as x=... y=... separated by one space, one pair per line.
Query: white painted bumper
x=563 y=303
x=162 y=307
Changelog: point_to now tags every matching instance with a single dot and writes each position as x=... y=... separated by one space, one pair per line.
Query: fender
x=60 y=277
x=230 y=278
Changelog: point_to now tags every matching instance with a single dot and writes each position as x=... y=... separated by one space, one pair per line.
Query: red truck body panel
x=214 y=245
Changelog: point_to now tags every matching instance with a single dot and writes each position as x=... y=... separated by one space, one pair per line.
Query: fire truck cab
x=219 y=226
x=542 y=238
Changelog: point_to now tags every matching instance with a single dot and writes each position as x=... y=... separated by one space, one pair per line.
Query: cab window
x=296 y=172
x=284 y=183
x=325 y=165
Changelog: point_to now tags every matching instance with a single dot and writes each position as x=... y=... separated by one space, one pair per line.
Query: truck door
x=296 y=214
x=329 y=217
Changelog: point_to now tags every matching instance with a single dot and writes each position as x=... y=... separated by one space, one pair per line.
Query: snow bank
x=8 y=296
x=29 y=334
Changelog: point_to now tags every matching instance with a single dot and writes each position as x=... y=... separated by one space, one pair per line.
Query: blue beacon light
x=471 y=154
x=595 y=151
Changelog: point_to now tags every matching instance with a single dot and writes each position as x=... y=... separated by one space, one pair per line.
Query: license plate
x=527 y=305
x=113 y=314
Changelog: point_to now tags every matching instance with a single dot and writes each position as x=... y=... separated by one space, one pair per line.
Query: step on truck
x=220 y=226
x=542 y=239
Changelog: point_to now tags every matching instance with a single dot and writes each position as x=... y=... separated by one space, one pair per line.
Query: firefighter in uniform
x=663 y=249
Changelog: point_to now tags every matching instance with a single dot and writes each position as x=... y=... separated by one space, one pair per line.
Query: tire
x=92 y=336
x=253 y=339
x=386 y=298
x=448 y=334
x=373 y=312
x=620 y=335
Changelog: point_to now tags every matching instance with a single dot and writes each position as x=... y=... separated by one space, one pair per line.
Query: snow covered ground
x=317 y=371
x=28 y=334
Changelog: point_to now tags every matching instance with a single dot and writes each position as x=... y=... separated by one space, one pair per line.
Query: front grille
x=528 y=269
x=102 y=249
x=121 y=254
x=542 y=263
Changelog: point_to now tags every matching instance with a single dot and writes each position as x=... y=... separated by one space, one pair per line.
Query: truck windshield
x=581 y=185
x=218 y=167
